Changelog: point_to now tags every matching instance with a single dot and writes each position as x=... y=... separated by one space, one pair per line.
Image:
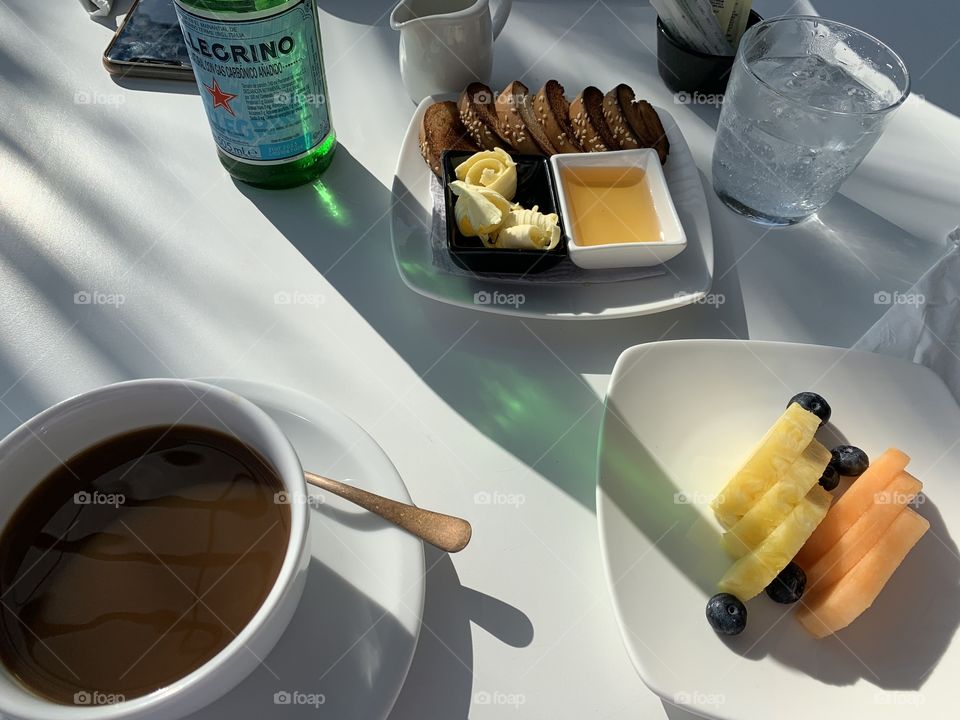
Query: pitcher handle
x=500 y=16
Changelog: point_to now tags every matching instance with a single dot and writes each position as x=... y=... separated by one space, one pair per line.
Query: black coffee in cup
x=136 y=561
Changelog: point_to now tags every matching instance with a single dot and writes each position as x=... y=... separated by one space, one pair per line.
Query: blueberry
x=814 y=403
x=726 y=614
x=849 y=461
x=830 y=478
x=788 y=586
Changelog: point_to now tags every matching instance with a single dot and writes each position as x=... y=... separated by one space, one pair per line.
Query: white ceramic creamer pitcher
x=446 y=44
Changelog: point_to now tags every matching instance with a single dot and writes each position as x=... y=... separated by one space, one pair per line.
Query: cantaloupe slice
x=834 y=607
x=854 y=503
x=754 y=571
x=865 y=532
x=777 y=502
x=767 y=465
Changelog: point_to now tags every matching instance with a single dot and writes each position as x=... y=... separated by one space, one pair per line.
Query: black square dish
x=534 y=187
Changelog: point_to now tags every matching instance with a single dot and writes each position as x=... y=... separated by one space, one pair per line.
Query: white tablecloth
x=114 y=188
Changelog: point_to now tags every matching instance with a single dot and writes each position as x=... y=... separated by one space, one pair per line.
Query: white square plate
x=680 y=418
x=687 y=278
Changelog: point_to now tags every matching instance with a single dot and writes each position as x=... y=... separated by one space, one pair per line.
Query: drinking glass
x=806 y=101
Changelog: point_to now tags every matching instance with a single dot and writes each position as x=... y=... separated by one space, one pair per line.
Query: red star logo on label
x=220 y=98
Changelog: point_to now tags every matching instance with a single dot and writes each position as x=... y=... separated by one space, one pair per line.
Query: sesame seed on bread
x=441 y=129
x=479 y=115
x=624 y=135
x=552 y=111
x=517 y=123
x=589 y=127
x=634 y=123
x=644 y=121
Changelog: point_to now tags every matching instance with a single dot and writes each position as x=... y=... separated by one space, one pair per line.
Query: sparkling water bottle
x=259 y=69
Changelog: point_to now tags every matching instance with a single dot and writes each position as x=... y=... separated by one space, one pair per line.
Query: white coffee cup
x=446 y=44
x=36 y=448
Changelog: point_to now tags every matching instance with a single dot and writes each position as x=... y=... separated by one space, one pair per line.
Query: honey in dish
x=610 y=205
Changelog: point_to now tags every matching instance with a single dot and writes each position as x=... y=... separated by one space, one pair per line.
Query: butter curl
x=492 y=169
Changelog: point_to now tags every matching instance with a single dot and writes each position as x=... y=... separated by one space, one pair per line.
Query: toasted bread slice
x=441 y=129
x=624 y=135
x=517 y=123
x=553 y=113
x=479 y=115
x=644 y=121
x=589 y=127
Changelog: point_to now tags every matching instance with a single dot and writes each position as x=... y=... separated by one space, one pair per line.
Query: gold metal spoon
x=442 y=531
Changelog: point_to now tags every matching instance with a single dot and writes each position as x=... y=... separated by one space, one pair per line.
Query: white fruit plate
x=680 y=417
x=687 y=278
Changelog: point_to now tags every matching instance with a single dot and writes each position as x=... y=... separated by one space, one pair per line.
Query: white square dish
x=657 y=473
x=686 y=279
x=672 y=240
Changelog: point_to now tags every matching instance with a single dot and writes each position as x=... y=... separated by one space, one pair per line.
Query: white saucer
x=680 y=417
x=352 y=638
x=686 y=281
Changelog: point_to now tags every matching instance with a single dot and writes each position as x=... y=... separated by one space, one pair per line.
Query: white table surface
x=125 y=195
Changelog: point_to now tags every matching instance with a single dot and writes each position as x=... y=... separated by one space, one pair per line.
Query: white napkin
x=97 y=8
x=923 y=324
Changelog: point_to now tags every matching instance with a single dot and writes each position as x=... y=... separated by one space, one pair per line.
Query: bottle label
x=261 y=80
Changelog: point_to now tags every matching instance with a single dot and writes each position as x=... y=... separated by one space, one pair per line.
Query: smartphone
x=149 y=43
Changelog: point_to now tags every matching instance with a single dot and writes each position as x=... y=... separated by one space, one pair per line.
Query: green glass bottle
x=259 y=69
